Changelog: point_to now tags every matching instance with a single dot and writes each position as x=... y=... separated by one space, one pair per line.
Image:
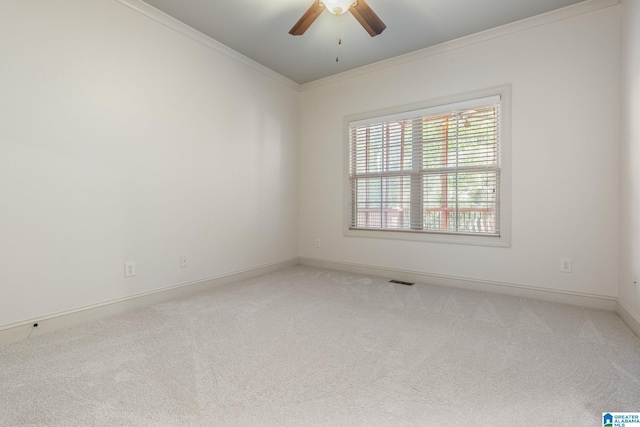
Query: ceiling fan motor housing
x=338 y=7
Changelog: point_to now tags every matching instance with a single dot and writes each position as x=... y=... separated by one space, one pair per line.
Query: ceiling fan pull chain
x=339 y=34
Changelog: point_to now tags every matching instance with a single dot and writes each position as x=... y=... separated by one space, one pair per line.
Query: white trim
x=630 y=318
x=502 y=92
x=481 y=37
x=21 y=330
x=195 y=35
x=493 y=33
x=583 y=299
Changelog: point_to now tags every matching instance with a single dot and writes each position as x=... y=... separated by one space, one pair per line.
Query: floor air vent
x=400 y=282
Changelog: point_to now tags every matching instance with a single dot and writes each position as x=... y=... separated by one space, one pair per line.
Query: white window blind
x=434 y=170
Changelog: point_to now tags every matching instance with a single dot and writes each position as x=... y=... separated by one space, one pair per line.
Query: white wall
x=565 y=131
x=117 y=137
x=121 y=140
x=628 y=292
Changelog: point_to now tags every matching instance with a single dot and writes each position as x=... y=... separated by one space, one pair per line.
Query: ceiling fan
x=358 y=8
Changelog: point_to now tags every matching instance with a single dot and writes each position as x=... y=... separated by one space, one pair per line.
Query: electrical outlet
x=317 y=243
x=565 y=265
x=184 y=261
x=129 y=269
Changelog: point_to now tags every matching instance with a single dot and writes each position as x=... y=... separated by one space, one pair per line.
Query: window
x=435 y=172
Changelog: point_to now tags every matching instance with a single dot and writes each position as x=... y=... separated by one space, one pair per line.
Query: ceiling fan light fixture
x=338 y=7
x=358 y=8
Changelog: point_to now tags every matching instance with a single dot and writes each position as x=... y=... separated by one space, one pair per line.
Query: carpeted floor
x=312 y=347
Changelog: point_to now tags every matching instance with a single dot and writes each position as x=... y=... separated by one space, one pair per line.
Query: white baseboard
x=19 y=331
x=513 y=289
x=629 y=317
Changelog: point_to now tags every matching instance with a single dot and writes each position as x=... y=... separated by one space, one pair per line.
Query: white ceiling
x=259 y=29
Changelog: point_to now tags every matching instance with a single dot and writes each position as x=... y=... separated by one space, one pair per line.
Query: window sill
x=503 y=240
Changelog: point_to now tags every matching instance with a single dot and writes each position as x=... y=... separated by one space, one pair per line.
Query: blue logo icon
x=607 y=420
x=620 y=419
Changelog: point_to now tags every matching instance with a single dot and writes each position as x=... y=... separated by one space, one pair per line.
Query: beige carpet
x=312 y=347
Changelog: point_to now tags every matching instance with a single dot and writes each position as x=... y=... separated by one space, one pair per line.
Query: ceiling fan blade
x=307 y=19
x=367 y=18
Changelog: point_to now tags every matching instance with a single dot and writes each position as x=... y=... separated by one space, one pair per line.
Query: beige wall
x=124 y=140
x=628 y=291
x=564 y=71
x=119 y=139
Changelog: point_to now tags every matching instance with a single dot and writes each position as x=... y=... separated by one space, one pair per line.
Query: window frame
x=504 y=205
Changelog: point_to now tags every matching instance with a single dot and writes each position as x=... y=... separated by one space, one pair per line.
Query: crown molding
x=162 y=18
x=185 y=30
x=567 y=12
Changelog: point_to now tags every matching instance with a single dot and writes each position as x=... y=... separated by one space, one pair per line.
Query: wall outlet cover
x=129 y=269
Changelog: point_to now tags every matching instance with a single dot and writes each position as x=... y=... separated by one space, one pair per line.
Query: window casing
x=435 y=173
